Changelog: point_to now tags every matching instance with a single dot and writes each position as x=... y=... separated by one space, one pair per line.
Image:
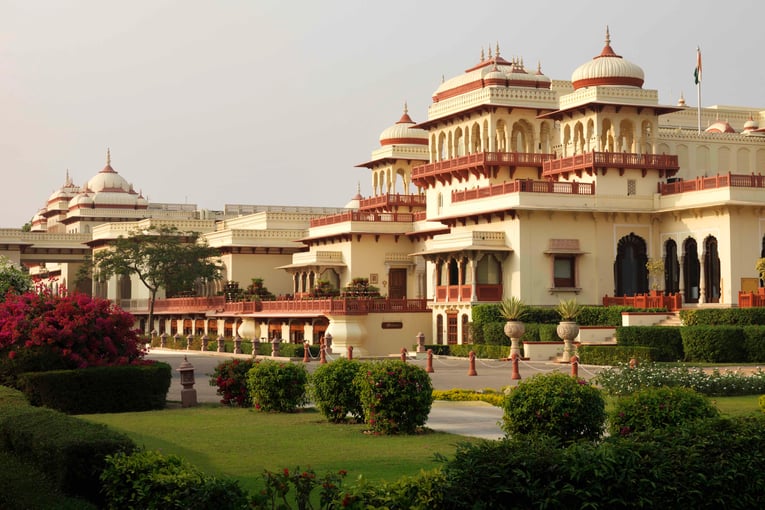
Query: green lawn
x=241 y=443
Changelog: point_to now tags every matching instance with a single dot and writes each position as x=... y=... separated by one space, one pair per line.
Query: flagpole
x=697 y=75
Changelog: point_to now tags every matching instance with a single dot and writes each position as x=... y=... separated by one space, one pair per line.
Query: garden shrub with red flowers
x=45 y=331
x=230 y=377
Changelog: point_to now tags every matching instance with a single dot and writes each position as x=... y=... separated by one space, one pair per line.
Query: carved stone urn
x=568 y=330
x=514 y=331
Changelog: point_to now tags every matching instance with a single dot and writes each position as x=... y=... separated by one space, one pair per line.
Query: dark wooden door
x=397 y=283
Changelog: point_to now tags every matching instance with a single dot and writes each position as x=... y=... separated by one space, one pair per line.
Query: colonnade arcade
x=289 y=329
x=623 y=135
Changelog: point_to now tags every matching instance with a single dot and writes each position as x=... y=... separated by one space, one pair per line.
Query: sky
x=274 y=102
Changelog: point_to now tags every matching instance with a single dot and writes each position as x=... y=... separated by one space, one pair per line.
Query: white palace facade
x=516 y=184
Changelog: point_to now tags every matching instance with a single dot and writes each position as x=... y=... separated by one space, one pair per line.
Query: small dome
x=720 y=127
x=402 y=132
x=84 y=199
x=543 y=81
x=518 y=77
x=495 y=77
x=751 y=124
x=608 y=68
x=355 y=202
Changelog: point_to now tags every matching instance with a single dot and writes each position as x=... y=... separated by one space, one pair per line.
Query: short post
x=328 y=341
x=237 y=344
x=420 y=342
x=575 y=366
x=323 y=353
x=221 y=344
x=188 y=393
x=306 y=353
x=275 y=347
x=471 y=364
x=205 y=341
x=255 y=347
x=429 y=367
x=189 y=341
x=403 y=354
x=350 y=352
x=516 y=375
x=163 y=340
x=176 y=340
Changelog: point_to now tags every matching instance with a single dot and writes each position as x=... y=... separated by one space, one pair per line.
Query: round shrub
x=334 y=392
x=653 y=408
x=556 y=405
x=396 y=396
x=278 y=386
x=761 y=401
x=230 y=377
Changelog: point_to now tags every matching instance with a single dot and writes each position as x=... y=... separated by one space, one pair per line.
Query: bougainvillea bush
x=230 y=377
x=44 y=331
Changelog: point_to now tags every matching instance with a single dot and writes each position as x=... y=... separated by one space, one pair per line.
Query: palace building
x=516 y=184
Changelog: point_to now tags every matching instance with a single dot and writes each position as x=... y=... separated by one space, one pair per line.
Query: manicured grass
x=241 y=443
x=737 y=406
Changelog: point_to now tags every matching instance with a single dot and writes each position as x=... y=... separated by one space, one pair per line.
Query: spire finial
x=108 y=156
x=608 y=36
x=490 y=52
x=358 y=187
x=539 y=67
x=496 y=52
x=481 y=53
x=406 y=108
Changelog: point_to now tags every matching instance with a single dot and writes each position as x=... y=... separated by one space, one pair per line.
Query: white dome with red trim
x=402 y=132
x=608 y=69
x=720 y=126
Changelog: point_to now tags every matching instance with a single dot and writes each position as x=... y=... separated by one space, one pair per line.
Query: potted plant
x=513 y=310
x=760 y=267
x=568 y=329
x=655 y=269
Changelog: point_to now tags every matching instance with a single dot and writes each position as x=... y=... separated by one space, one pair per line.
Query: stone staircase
x=673 y=319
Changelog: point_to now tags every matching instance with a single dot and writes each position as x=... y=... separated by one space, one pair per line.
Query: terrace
x=590 y=162
x=525 y=186
x=714 y=182
x=482 y=164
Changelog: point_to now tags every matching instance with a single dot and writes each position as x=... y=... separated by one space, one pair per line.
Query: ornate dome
x=751 y=124
x=402 y=132
x=720 y=127
x=518 y=77
x=107 y=179
x=608 y=68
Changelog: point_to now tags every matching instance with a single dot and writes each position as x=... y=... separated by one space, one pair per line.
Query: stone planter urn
x=567 y=330
x=514 y=331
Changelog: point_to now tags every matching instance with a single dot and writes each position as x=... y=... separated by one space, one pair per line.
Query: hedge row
x=116 y=389
x=286 y=349
x=69 y=452
x=666 y=341
x=723 y=316
x=613 y=354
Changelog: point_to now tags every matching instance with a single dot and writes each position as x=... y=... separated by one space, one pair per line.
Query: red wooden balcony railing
x=714 y=182
x=391 y=201
x=370 y=216
x=463 y=293
x=479 y=164
x=525 y=186
x=670 y=302
x=591 y=161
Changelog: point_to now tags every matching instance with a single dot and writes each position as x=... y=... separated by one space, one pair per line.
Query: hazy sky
x=274 y=101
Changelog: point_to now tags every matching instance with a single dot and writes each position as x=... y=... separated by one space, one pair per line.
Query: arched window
x=630 y=273
x=711 y=270
x=671 y=268
x=691 y=270
x=488 y=270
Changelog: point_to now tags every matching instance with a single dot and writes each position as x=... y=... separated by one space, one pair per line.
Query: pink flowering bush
x=230 y=377
x=42 y=331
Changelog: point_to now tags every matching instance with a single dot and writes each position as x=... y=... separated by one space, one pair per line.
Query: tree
x=12 y=279
x=161 y=257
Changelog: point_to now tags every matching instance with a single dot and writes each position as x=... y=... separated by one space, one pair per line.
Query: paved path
x=477 y=419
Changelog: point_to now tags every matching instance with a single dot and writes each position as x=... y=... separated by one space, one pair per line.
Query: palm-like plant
x=512 y=309
x=569 y=309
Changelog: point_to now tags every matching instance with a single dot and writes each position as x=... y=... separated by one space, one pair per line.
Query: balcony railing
x=362 y=216
x=591 y=161
x=392 y=201
x=479 y=164
x=525 y=186
x=714 y=182
x=330 y=306
x=463 y=293
x=751 y=299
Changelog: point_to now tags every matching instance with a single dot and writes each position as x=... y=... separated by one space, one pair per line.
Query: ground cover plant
x=625 y=380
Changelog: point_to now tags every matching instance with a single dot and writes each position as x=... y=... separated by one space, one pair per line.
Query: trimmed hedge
x=118 y=389
x=714 y=344
x=723 y=316
x=70 y=452
x=666 y=341
x=613 y=354
x=754 y=343
x=703 y=464
x=481 y=351
x=438 y=349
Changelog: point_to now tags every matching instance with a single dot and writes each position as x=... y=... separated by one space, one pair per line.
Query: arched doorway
x=630 y=273
x=691 y=270
x=671 y=268
x=711 y=271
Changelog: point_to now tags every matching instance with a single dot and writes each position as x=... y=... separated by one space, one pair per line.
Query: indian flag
x=697 y=71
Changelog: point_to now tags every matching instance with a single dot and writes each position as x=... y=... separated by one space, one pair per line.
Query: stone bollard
x=429 y=367
x=328 y=341
x=403 y=354
x=516 y=375
x=255 y=347
x=471 y=364
x=323 y=353
x=188 y=393
x=350 y=352
x=176 y=340
x=275 y=347
x=205 y=341
x=237 y=344
x=306 y=353
x=420 y=342
x=221 y=344
x=163 y=340
x=575 y=366
x=189 y=341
